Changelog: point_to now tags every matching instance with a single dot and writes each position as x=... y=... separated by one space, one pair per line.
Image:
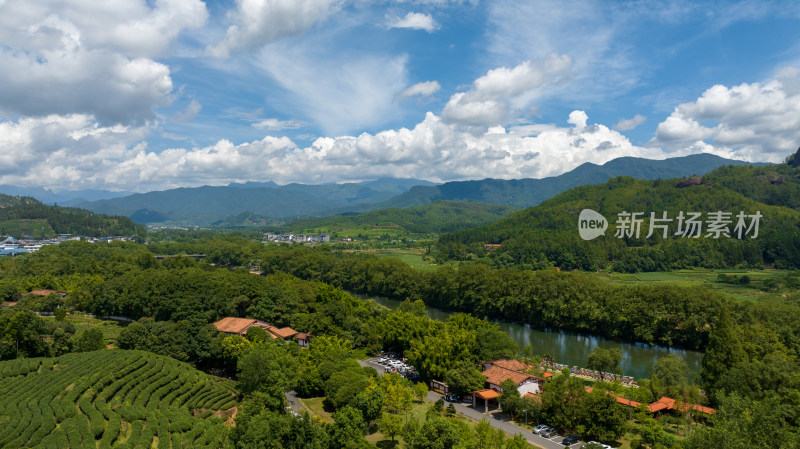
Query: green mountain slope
x=205 y=205
x=548 y=233
x=111 y=397
x=529 y=192
x=26 y=216
x=777 y=185
x=437 y=217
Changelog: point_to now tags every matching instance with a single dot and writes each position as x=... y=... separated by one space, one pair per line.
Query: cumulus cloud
x=494 y=97
x=260 y=22
x=274 y=124
x=628 y=124
x=414 y=21
x=758 y=121
x=75 y=56
x=75 y=151
x=578 y=118
x=423 y=89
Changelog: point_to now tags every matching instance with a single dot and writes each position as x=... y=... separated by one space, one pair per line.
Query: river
x=572 y=349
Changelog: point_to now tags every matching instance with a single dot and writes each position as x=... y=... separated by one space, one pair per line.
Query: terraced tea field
x=111 y=398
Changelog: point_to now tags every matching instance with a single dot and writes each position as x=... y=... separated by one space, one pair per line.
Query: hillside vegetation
x=547 y=234
x=26 y=216
x=437 y=217
x=530 y=192
x=111 y=398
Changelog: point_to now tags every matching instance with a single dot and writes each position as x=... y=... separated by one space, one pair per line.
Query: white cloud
x=260 y=22
x=192 y=109
x=758 y=121
x=339 y=93
x=74 y=57
x=628 y=124
x=414 y=21
x=578 y=118
x=423 y=89
x=274 y=124
x=41 y=152
x=495 y=97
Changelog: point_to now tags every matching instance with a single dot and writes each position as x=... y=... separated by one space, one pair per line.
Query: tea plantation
x=111 y=398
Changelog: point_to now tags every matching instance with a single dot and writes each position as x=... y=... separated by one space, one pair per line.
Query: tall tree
x=605 y=361
x=724 y=351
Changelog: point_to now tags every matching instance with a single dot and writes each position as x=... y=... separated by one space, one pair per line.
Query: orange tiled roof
x=286 y=332
x=546 y=375
x=666 y=403
x=234 y=325
x=8 y=304
x=487 y=394
x=495 y=375
x=302 y=336
x=514 y=365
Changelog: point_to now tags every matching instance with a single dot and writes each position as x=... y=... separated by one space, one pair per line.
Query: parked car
x=549 y=433
x=540 y=428
x=570 y=440
x=450 y=398
x=595 y=445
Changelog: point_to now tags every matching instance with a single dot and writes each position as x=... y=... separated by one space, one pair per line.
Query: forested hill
x=778 y=185
x=548 y=233
x=437 y=217
x=529 y=192
x=21 y=215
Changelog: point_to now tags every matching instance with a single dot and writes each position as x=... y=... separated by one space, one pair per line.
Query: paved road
x=293 y=402
x=498 y=421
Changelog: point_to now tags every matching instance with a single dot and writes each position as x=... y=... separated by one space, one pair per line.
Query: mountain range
x=262 y=201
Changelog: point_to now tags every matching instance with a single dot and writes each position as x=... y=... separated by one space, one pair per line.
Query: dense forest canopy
x=24 y=215
x=547 y=235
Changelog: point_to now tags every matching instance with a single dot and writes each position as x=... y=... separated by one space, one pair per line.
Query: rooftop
x=234 y=325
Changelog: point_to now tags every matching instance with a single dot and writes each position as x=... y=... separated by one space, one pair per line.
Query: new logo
x=591 y=224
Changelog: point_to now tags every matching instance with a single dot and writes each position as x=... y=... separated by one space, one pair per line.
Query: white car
x=540 y=428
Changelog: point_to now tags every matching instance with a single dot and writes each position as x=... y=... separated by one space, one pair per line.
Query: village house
x=499 y=371
x=239 y=326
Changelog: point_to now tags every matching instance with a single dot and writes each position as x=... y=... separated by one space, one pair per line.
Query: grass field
x=413 y=257
x=706 y=278
x=111 y=329
x=108 y=398
x=417 y=412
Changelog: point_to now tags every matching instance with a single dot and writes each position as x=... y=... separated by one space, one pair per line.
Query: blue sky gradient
x=146 y=95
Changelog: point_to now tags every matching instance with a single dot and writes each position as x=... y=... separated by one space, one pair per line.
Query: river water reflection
x=572 y=349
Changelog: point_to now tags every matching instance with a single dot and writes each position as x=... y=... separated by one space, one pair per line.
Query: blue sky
x=147 y=95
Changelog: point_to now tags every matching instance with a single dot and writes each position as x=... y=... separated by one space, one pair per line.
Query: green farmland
x=112 y=398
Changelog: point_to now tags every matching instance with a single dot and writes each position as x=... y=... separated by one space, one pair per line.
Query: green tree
x=670 y=375
x=267 y=368
x=723 y=353
x=391 y=425
x=605 y=361
x=510 y=399
x=464 y=378
x=348 y=428
x=90 y=339
x=256 y=334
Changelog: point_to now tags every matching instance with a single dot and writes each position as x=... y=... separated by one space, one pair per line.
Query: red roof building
x=238 y=326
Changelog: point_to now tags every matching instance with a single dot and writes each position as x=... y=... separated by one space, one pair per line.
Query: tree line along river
x=572 y=349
